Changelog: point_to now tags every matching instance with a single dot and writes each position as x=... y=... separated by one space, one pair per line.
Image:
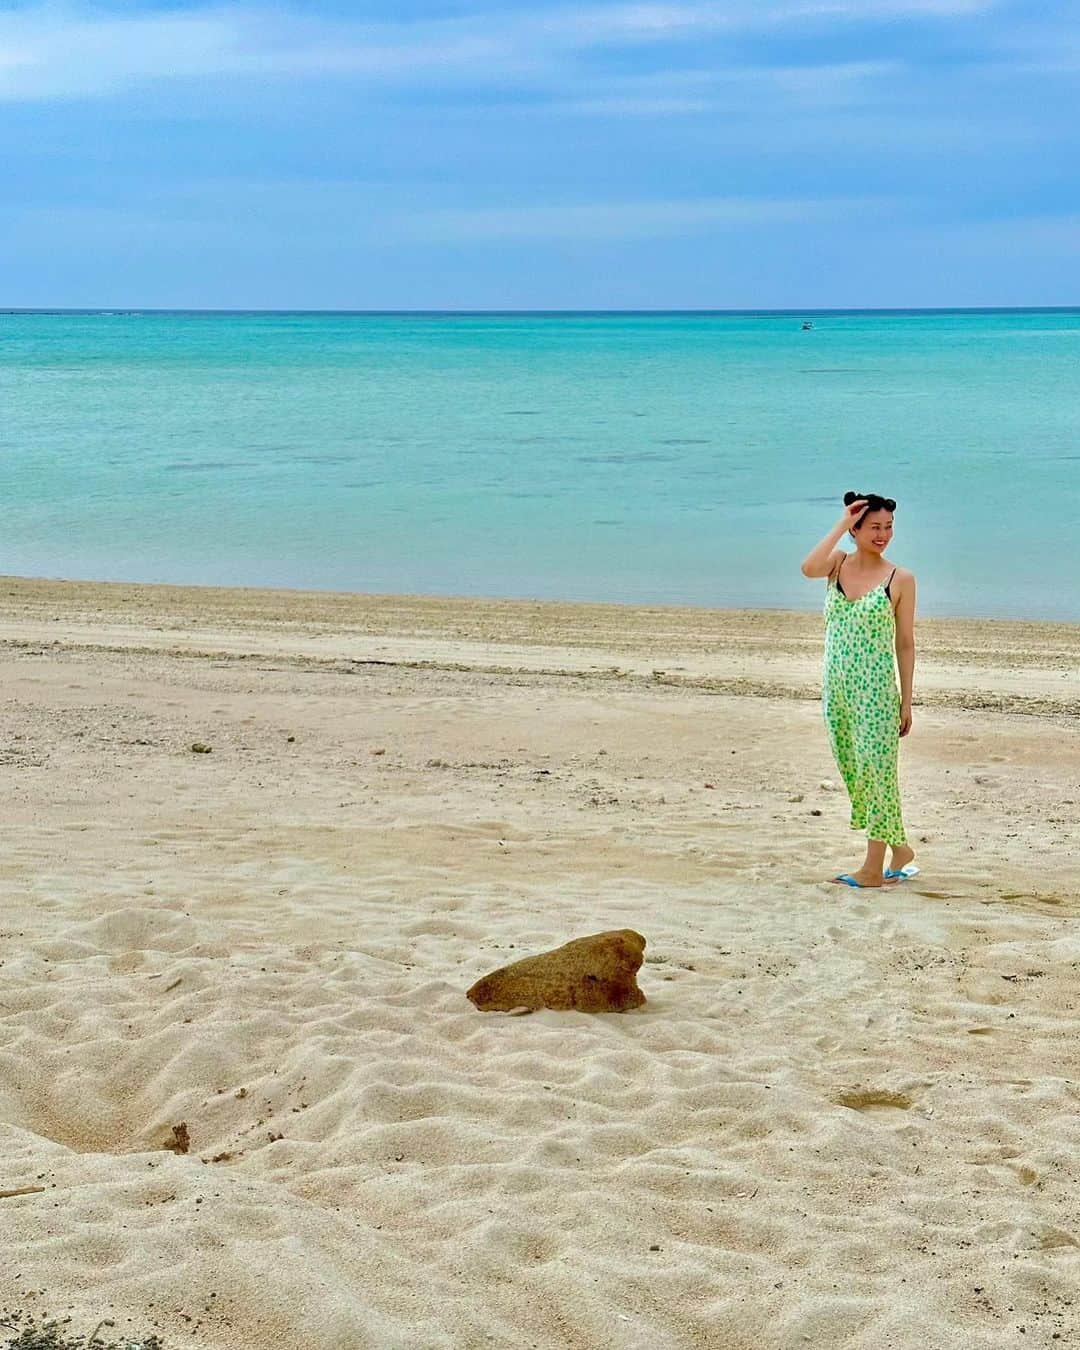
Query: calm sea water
x=671 y=458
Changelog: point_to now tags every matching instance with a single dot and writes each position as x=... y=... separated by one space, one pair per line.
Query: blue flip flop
x=849 y=880
x=901 y=873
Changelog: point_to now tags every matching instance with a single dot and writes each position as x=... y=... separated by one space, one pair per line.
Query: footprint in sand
x=875 y=1101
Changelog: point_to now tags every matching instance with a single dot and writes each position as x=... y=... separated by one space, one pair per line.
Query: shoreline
x=1005 y=665
x=468 y=598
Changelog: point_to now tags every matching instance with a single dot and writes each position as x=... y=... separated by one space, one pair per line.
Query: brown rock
x=591 y=974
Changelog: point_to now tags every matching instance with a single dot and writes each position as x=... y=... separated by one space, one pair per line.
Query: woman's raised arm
x=819 y=561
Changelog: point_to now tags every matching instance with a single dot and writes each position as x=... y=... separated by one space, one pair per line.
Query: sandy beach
x=245 y=1103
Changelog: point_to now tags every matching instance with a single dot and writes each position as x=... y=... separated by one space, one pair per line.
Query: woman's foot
x=901 y=856
x=865 y=879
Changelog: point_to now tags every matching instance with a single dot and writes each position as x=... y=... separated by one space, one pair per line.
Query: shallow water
x=656 y=458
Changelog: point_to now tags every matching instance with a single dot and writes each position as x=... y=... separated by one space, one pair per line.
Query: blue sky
x=743 y=154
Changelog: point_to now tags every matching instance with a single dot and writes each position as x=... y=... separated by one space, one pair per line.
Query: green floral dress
x=861 y=703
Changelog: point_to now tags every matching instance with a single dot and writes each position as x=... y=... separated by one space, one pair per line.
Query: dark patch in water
x=835 y=370
x=198 y=465
x=322 y=459
x=607 y=522
x=683 y=440
x=524 y=412
x=642 y=456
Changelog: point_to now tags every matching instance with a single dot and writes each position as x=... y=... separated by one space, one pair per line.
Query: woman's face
x=875 y=532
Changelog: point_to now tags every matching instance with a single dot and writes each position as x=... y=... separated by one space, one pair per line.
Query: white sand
x=841 y=1120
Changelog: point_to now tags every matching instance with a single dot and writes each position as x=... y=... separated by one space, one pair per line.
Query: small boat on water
x=806 y=325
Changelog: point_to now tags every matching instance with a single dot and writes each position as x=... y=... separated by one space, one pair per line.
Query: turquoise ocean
x=682 y=458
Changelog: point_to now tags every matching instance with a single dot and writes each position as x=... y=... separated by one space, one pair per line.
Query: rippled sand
x=841 y=1119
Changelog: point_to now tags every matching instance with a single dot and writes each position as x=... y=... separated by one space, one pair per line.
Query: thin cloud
x=1057 y=235
x=881 y=9
x=679 y=92
x=636 y=23
x=47 y=52
x=619 y=220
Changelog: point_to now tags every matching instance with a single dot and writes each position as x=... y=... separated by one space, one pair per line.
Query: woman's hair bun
x=874 y=502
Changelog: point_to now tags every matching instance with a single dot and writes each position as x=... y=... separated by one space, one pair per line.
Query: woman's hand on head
x=853 y=511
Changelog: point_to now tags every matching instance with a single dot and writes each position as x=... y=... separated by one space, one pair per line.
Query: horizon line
x=120 y=311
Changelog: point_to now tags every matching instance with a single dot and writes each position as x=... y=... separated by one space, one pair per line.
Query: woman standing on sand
x=869 y=616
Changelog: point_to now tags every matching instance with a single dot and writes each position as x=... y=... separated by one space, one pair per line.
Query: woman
x=869 y=614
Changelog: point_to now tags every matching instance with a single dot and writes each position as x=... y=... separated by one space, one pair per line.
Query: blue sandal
x=849 y=880
x=901 y=873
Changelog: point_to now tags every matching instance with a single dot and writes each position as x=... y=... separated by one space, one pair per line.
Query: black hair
x=873 y=503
